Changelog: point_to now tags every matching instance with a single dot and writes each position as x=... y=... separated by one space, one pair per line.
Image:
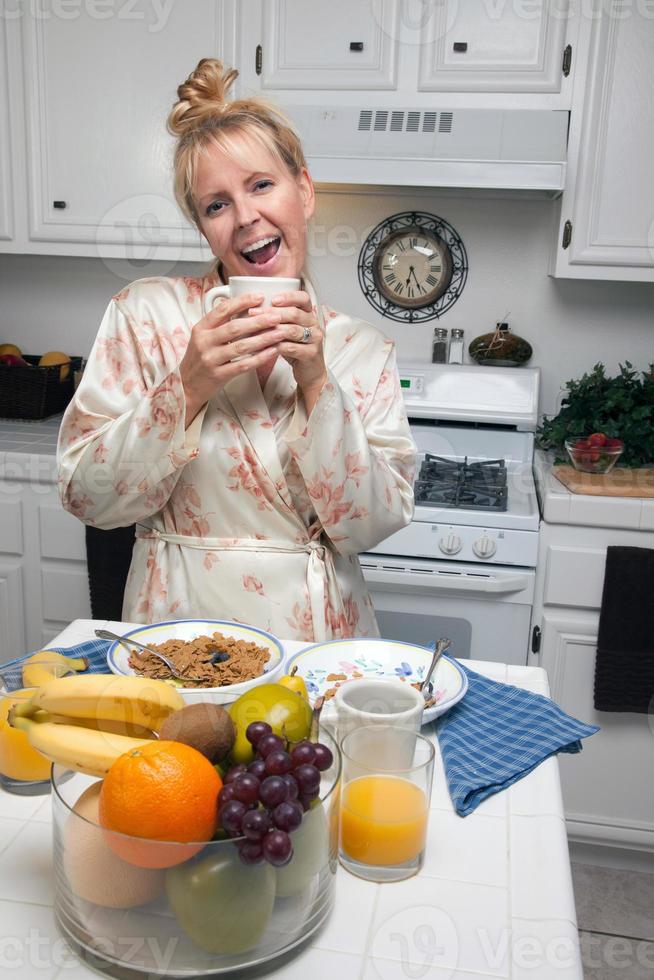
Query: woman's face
x=256 y=202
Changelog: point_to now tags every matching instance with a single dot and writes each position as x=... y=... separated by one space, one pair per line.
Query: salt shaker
x=439 y=346
x=456 y=347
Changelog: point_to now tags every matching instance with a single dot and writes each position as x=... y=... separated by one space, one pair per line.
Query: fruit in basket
x=10 y=349
x=74 y=746
x=205 y=726
x=287 y=714
x=222 y=904
x=94 y=872
x=135 y=700
x=160 y=791
x=13 y=360
x=45 y=665
x=53 y=357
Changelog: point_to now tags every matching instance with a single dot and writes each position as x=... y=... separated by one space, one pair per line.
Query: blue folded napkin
x=95 y=650
x=496 y=735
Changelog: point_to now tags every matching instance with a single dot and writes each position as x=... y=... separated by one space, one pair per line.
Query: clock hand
x=412 y=272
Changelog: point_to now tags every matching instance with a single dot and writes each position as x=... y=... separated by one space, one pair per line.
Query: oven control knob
x=484 y=547
x=451 y=544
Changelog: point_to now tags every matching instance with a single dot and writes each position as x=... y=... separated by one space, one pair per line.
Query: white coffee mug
x=377 y=701
x=266 y=286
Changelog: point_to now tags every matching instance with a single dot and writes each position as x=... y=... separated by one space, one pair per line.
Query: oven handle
x=409 y=582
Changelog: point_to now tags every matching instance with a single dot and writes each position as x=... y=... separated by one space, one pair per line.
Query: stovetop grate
x=475 y=486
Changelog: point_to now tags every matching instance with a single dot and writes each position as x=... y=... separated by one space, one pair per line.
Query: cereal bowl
x=186 y=630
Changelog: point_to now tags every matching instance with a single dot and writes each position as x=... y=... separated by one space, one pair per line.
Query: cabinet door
x=482 y=47
x=606 y=798
x=607 y=228
x=6 y=213
x=100 y=85
x=331 y=46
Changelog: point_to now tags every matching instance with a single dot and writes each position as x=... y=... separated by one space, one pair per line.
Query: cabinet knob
x=460 y=47
x=356 y=45
x=59 y=205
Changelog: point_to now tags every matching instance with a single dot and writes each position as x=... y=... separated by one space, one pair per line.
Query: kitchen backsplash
x=50 y=302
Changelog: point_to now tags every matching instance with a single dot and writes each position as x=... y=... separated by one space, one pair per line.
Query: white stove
x=464 y=566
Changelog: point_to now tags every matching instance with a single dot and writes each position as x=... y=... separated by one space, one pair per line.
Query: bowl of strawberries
x=596 y=453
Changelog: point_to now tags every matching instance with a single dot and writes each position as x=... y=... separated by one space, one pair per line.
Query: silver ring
x=306 y=335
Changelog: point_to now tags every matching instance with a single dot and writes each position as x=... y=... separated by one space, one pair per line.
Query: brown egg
x=94 y=872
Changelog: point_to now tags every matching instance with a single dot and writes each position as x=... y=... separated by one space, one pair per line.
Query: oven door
x=484 y=609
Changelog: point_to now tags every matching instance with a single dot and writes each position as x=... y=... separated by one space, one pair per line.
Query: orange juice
x=18 y=760
x=383 y=820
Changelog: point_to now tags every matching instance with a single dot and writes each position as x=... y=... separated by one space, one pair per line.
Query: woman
x=257 y=449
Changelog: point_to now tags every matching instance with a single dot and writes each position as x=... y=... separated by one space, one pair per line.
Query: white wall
x=57 y=303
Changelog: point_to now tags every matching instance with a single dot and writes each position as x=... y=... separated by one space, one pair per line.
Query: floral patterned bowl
x=325 y=666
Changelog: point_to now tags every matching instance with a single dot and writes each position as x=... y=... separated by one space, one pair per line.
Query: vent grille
x=409 y=122
x=445 y=123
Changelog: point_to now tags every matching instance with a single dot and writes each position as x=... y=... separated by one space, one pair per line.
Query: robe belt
x=320 y=567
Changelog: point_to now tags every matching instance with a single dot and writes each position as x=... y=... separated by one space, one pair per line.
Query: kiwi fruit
x=205 y=726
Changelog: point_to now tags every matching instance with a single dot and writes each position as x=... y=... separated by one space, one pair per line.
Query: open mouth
x=262 y=252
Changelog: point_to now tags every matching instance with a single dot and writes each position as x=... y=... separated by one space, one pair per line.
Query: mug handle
x=212 y=295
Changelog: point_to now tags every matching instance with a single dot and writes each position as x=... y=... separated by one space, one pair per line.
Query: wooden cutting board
x=620 y=482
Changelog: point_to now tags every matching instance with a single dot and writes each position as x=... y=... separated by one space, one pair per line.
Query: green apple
x=287 y=714
x=221 y=903
x=310 y=853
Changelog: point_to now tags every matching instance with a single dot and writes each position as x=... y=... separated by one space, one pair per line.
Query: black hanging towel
x=108 y=555
x=624 y=667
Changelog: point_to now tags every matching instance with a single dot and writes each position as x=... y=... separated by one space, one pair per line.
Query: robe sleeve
x=357 y=458
x=123 y=443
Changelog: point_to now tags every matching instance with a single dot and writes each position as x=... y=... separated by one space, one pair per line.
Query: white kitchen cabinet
x=390 y=53
x=481 y=47
x=6 y=208
x=43 y=575
x=606 y=227
x=609 y=801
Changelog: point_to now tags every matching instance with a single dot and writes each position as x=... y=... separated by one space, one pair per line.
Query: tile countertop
x=27 y=449
x=560 y=506
x=494 y=898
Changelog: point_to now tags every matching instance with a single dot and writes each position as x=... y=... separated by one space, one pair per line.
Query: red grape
x=308 y=779
x=256 y=730
x=258 y=768
x=250 y=852
x=303 y=754
x=305 y=802
x=226 y=794
x=277 y=848
x=246 y=788
x=278 y=763
x=272 y=791
x=234 y=772
x=231 y=817
x=270 y=743
x=323 y=757
x=293 y=791
x=287 y=816
x=256 y=824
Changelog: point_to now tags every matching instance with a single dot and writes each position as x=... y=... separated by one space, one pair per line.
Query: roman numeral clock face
x=412 y=267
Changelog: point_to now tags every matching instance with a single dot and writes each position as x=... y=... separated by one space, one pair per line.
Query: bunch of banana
x=85 y=723
x=45 y=665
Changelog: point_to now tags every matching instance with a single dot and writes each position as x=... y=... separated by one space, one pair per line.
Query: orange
x=163 y=791
x=56 y=357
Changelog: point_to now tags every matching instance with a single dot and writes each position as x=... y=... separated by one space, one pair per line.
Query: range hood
x=502 y=149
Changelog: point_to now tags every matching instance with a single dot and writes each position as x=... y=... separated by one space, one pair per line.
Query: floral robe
x=255 y=512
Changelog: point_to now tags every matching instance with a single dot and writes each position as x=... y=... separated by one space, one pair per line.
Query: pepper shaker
x=456 y=347
x=439 y=346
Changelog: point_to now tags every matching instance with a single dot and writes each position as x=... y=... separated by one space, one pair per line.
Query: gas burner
x=476 y=486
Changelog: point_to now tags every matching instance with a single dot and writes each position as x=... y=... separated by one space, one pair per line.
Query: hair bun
x=202 y=96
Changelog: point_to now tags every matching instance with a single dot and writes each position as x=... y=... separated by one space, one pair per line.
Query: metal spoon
x=441 y=647
x=127 y=643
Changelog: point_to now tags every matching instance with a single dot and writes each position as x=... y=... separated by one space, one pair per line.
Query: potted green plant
x=621 y=407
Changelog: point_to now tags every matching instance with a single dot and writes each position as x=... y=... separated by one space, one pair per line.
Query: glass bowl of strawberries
x=596 y=453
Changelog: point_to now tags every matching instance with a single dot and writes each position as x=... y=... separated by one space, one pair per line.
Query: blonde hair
x=203 y=117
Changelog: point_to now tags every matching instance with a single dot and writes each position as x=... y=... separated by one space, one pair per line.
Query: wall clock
x=412 y=267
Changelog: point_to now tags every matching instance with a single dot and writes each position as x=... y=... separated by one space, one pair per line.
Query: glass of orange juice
x=23 y=770
x=386 y=790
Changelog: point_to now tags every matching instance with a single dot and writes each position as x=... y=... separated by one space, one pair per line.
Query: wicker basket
x=35 y=392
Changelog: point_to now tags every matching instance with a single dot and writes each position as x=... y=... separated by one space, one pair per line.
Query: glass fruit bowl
x=205 y=913
x=596 y=453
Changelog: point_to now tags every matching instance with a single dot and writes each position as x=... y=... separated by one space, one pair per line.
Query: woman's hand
x=305 y=357
x=208 y=363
